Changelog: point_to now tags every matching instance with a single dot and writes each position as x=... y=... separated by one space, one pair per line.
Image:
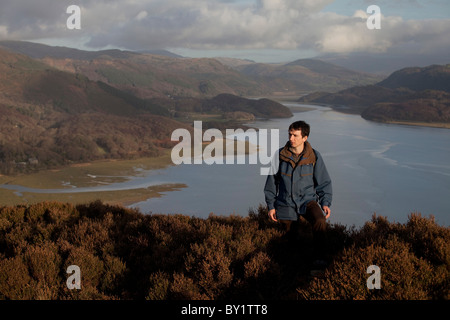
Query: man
x=301 y=186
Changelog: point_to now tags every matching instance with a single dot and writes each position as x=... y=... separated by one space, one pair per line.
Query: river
x=390 y=170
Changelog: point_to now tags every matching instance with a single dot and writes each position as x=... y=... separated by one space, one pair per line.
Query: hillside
x=146 y=75
x=435 y=77
x=67 y=106
x=126 y=255
x=153 y=76
x=411 y=95
x=52 y=118
x=307 y=75
x=40 y=51
x=428 y=107
x=261 y=108
x=156 y=75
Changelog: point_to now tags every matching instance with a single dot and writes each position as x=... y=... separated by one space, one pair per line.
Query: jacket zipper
x=292 y=187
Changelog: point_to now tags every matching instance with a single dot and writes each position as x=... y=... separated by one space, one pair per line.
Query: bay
x=384 y=169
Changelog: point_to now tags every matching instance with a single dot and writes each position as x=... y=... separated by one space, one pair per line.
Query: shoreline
x=357 y=111
x=107 y=172
x=95 y=174
x=88 y=175
x=124 y=198
x=440 y=125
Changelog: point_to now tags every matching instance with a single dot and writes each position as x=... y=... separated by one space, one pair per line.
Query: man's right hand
x=273 y=215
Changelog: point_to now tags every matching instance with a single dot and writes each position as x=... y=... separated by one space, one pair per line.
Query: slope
x=149 y=75
x=412 y=95
x=51 y=118
x=307 y=75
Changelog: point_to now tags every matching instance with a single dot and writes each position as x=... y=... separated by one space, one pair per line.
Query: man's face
x=296 y=139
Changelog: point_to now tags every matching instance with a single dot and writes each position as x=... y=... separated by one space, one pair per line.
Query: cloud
x=141 y=15
x=214 y=24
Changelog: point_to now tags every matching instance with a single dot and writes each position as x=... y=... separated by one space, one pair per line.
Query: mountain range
x=306 y=74
x=60 y=105
x=411 y=95
x=51 y=117
x=165 y=74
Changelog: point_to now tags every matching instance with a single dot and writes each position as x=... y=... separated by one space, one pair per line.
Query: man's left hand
x=327 y=211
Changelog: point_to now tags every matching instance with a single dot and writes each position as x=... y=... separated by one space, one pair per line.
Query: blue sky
x=261 y=30
x=408 y=10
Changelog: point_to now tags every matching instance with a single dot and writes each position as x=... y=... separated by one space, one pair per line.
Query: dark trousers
x=316 y=218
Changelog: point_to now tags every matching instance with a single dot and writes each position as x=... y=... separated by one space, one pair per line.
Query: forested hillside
x=164 y=74
x=51 y=118
x=411 y=95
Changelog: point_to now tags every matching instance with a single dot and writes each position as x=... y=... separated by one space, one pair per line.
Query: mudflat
x=93 y=174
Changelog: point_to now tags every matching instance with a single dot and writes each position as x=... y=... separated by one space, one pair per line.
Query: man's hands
x=273 y=213
x=327 y=211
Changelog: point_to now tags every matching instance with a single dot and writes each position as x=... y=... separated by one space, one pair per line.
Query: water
x=390 y=170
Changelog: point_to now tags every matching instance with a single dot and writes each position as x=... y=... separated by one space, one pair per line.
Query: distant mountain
x=434 y=77
x=307 y=74
x=163 y=74
x=322 y=67
x=147 y=75
x=408 y=95
x=387 y=62
x=151 y=76
x=40 y=51
x=234 y=62
x=161 y=53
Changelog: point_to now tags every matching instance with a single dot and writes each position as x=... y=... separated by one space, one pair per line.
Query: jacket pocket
x=307 y=170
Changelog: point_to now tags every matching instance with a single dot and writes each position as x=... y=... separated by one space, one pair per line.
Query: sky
x=260 y=30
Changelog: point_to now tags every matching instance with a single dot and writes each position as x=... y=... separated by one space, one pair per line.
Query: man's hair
x=302 y=126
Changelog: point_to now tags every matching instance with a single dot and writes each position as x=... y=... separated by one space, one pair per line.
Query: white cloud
x=213 y=24
x=141 y=15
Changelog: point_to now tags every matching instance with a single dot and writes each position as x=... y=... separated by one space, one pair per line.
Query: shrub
x=124 y=254
x=208 y=264
x=408 y=270
x=15 y=282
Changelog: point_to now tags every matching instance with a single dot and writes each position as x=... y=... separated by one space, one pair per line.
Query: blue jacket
x=295 y=184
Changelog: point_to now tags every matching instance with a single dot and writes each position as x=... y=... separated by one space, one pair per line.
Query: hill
x=154 y=76
x=52 y=118
x=307 y=75
x=146 y=75
x=40 y=51
x=161 y=75
x=434 y=77
x=124 y=254
x=411 y=95
x=261 y=108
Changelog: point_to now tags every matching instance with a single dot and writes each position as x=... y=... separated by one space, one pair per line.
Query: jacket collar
x=306 y=157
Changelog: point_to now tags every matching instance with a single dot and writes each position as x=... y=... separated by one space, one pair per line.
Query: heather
x=125 y=254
